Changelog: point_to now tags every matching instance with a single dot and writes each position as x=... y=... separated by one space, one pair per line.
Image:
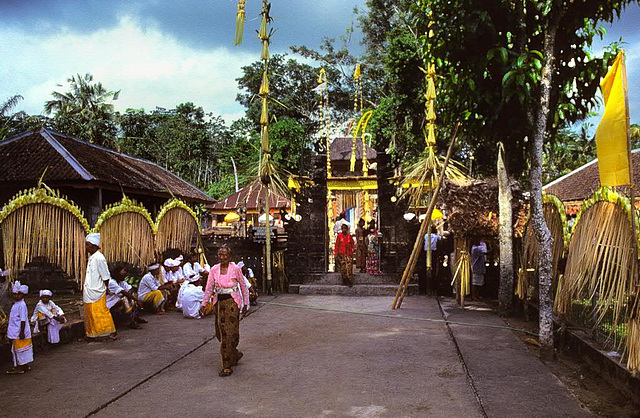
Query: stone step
x=358 y=278
x=356 y=290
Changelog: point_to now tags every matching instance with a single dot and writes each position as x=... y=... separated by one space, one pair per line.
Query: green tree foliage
x=185 y=140
x=569 y=151
x=489 y=57
x=8 y=117
x=85 y=111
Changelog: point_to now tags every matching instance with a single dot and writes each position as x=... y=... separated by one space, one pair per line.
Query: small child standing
x=19 y=331
x=48 y=317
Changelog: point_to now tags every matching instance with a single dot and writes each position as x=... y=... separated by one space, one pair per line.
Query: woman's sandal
x=225 y=372
x=15 y=370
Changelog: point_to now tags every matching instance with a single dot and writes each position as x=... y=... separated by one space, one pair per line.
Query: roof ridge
x=128 y=156
x=577 y=170
x=68 y=157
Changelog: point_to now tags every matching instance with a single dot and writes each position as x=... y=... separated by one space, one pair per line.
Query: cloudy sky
x=161 y=53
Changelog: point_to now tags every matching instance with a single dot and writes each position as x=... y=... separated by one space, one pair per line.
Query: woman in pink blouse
x=228 y=288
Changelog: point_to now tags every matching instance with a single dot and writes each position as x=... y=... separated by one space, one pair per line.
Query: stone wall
x=40 y=274
x=397 y=240
x=306 y=256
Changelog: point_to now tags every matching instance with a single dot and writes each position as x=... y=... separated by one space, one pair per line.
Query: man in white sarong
x=48 y=317
x=98 y=322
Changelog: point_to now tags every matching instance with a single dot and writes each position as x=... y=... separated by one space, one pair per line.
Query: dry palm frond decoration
x=420 y=176
x=39 y=222
x=556 y=220
x=127 y=233
x=462 y=277
x=601 y=263
x=177 y=225
x=240 y=19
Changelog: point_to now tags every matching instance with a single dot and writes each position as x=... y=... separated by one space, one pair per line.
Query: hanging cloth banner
x=611 y=135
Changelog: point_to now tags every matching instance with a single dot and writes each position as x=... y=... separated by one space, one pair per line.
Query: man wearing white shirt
x=150 y=289
x=98 y=322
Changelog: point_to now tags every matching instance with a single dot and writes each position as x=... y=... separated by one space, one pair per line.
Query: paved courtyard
x=305 y=356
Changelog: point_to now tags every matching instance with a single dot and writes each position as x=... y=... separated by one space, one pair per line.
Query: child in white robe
x=48 y=317
x=19 y=331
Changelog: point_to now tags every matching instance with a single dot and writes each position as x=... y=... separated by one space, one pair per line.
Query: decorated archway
x=127 y=233
x=39 y=222
x=176 y=226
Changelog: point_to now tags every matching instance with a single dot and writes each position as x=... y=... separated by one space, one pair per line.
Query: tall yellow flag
x=611 y=135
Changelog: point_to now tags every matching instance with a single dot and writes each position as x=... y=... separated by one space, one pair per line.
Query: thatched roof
x=72 y=162
x=472 y=207
x=252 y=196
x=340 y=150
x=580 y=184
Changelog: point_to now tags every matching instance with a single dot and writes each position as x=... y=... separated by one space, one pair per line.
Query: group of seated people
x=176 y=284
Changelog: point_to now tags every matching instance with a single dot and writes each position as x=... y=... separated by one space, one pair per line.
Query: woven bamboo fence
x=127 y=233
x=41 y=223
x=599 y=288
x=556 y=218
x=177 y=227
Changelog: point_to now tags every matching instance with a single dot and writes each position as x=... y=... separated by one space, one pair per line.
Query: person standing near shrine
x=227 y=285
x=344 y=255
x=479 y=250
x=361 y=246
x=98 y=322
x=373 y=250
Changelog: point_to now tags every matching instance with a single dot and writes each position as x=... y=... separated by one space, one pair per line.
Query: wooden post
x=417 y=246
x=632 y=185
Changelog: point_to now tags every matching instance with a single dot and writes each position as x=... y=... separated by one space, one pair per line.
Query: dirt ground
x=602 y=398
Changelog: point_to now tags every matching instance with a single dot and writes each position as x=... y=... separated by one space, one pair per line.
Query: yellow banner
x=351 y=184
x=611 y=135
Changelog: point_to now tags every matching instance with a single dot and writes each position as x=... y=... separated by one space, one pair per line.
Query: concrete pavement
x=298 y=363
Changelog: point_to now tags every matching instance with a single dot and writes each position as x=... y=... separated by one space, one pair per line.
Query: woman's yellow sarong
x=97 y=319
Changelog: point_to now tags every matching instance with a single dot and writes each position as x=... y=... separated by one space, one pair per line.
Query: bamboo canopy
x=39 y=222
x=177 y=225
x=556 y=219
x=127 y=233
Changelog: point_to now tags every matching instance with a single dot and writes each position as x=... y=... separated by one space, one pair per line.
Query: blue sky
x=161 y=53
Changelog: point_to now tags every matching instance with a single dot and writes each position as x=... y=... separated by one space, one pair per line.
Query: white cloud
x=151 y=68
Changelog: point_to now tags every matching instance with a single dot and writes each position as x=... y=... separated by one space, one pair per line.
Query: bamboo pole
x=417 y=246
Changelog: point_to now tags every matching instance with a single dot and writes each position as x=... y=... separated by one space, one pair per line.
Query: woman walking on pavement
x=228 y=288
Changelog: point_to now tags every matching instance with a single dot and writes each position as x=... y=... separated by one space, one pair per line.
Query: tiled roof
x=340 y=149
x=25 y=157
x=253 y=196
x=582 y=182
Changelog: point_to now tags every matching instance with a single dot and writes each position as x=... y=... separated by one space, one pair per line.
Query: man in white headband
x=48 y=317
x=98 y=323
x=150 y=290
x=19 y=332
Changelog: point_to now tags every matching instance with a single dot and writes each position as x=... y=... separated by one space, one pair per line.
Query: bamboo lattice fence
x=176 y=226
x=127 y=233
x=599 y=288
x=40 y=223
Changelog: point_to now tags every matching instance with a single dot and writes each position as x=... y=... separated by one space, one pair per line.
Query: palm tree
x=6 y=117
x=85 y=110
x=634 y=135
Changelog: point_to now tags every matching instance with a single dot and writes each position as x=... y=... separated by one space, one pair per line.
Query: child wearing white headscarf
x=48 y=316
x=19 y=331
